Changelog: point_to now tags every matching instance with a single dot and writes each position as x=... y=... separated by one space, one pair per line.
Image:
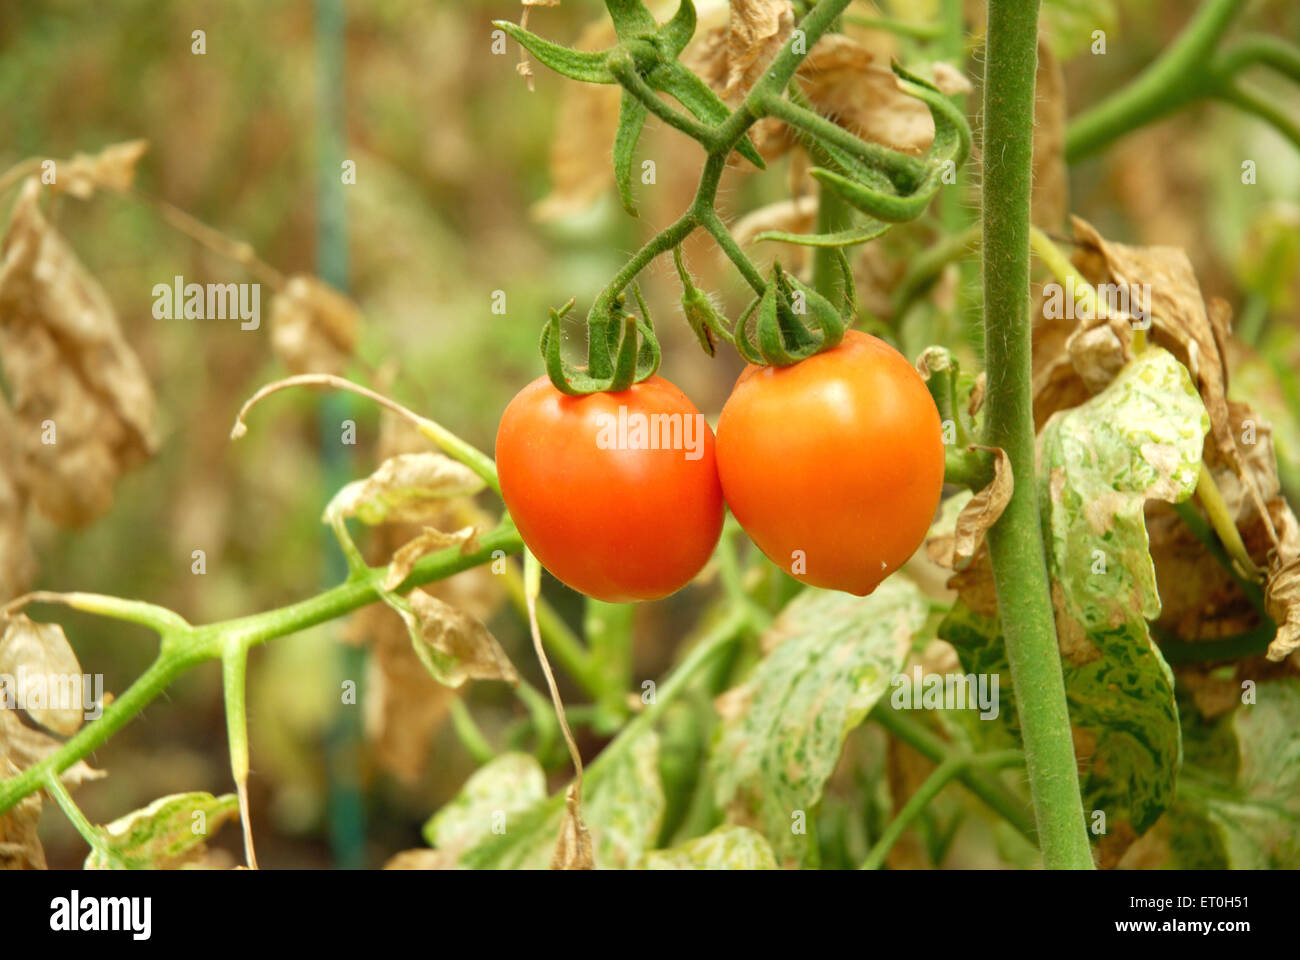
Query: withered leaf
x=45 y=672
x=956 y=550
x=428 y=541
x=421 y=858
x=83 y=407
x=407 y=488
x=573 y=850
x=17 y=560
x=25 y=745
x=453 y=646
x=314 y=327
x=112 y=168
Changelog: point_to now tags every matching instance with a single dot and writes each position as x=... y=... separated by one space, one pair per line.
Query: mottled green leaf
x=622 y=806
x=510 y=784
x=726 y=848
x=1139 y=439
x=831 y=657
x=626 y=806
x=165 y=834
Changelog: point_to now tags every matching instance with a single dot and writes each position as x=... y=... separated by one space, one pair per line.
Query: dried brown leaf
x=314 y=327
x=407 y=488
x=73 y=379
x=573 y=849
x=17 y=560
x=957 y=550
x=44 y=670
x=454 y=646
x=113 y=168
x=428 y=541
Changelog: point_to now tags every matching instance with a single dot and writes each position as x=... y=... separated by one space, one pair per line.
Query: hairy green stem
x=1015 y=541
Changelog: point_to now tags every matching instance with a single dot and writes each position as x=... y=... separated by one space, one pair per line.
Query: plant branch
x=1015 y=541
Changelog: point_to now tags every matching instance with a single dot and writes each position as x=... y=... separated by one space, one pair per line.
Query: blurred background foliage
x=452 y=154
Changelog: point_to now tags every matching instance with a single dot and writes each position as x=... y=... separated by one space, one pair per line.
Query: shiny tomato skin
x=617 y=524
x=839 y=456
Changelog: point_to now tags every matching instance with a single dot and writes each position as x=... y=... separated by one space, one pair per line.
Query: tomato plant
x=1015 y=498
x=834 y=466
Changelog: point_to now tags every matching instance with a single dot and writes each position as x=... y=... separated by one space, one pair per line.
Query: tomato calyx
x=794 y=321
x=622 y=348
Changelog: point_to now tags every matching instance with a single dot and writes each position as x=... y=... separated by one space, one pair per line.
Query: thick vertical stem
x=1015 y=541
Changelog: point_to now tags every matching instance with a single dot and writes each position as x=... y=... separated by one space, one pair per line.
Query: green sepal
x=745 y=346
x=583 y=65
x=841 y=238
x=695 y=95
x=622 y=349
x=631 y=120
x=951 y=145
x=631 y=19
x=677 y=32
x=701 y=315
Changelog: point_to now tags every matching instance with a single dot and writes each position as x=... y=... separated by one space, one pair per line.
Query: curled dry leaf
x=958 y=549
x=37 y=659
x=83 y=408
x=573 y=850
x=314 y=328
x=950 y=81
x=428 y=541
x=453 y=646
x=421 y=858
x=407 y=488
x=1282 y=598
x=113 y=168
x=24 y=746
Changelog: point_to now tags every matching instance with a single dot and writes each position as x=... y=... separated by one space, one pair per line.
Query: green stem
x=1178 y=76
x=234 y=676
x=989 y=789
x=55 y=788
x=833 y=214
x=179 y=652
x=1015 y=541
x=471 y=737
x=947 y=771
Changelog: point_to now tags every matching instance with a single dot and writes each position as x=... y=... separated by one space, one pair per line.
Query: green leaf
x=510 y=784
x=830 y=658
x=165 y=834
x=583 y=65
x=726 y=848
x=631 y=120
x=1139 y=439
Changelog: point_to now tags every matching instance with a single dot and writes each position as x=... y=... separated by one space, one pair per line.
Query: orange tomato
x=616 y=494
x=834 y=466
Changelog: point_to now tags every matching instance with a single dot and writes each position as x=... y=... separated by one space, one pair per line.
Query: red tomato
x=616 y=494
x=834 y=466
